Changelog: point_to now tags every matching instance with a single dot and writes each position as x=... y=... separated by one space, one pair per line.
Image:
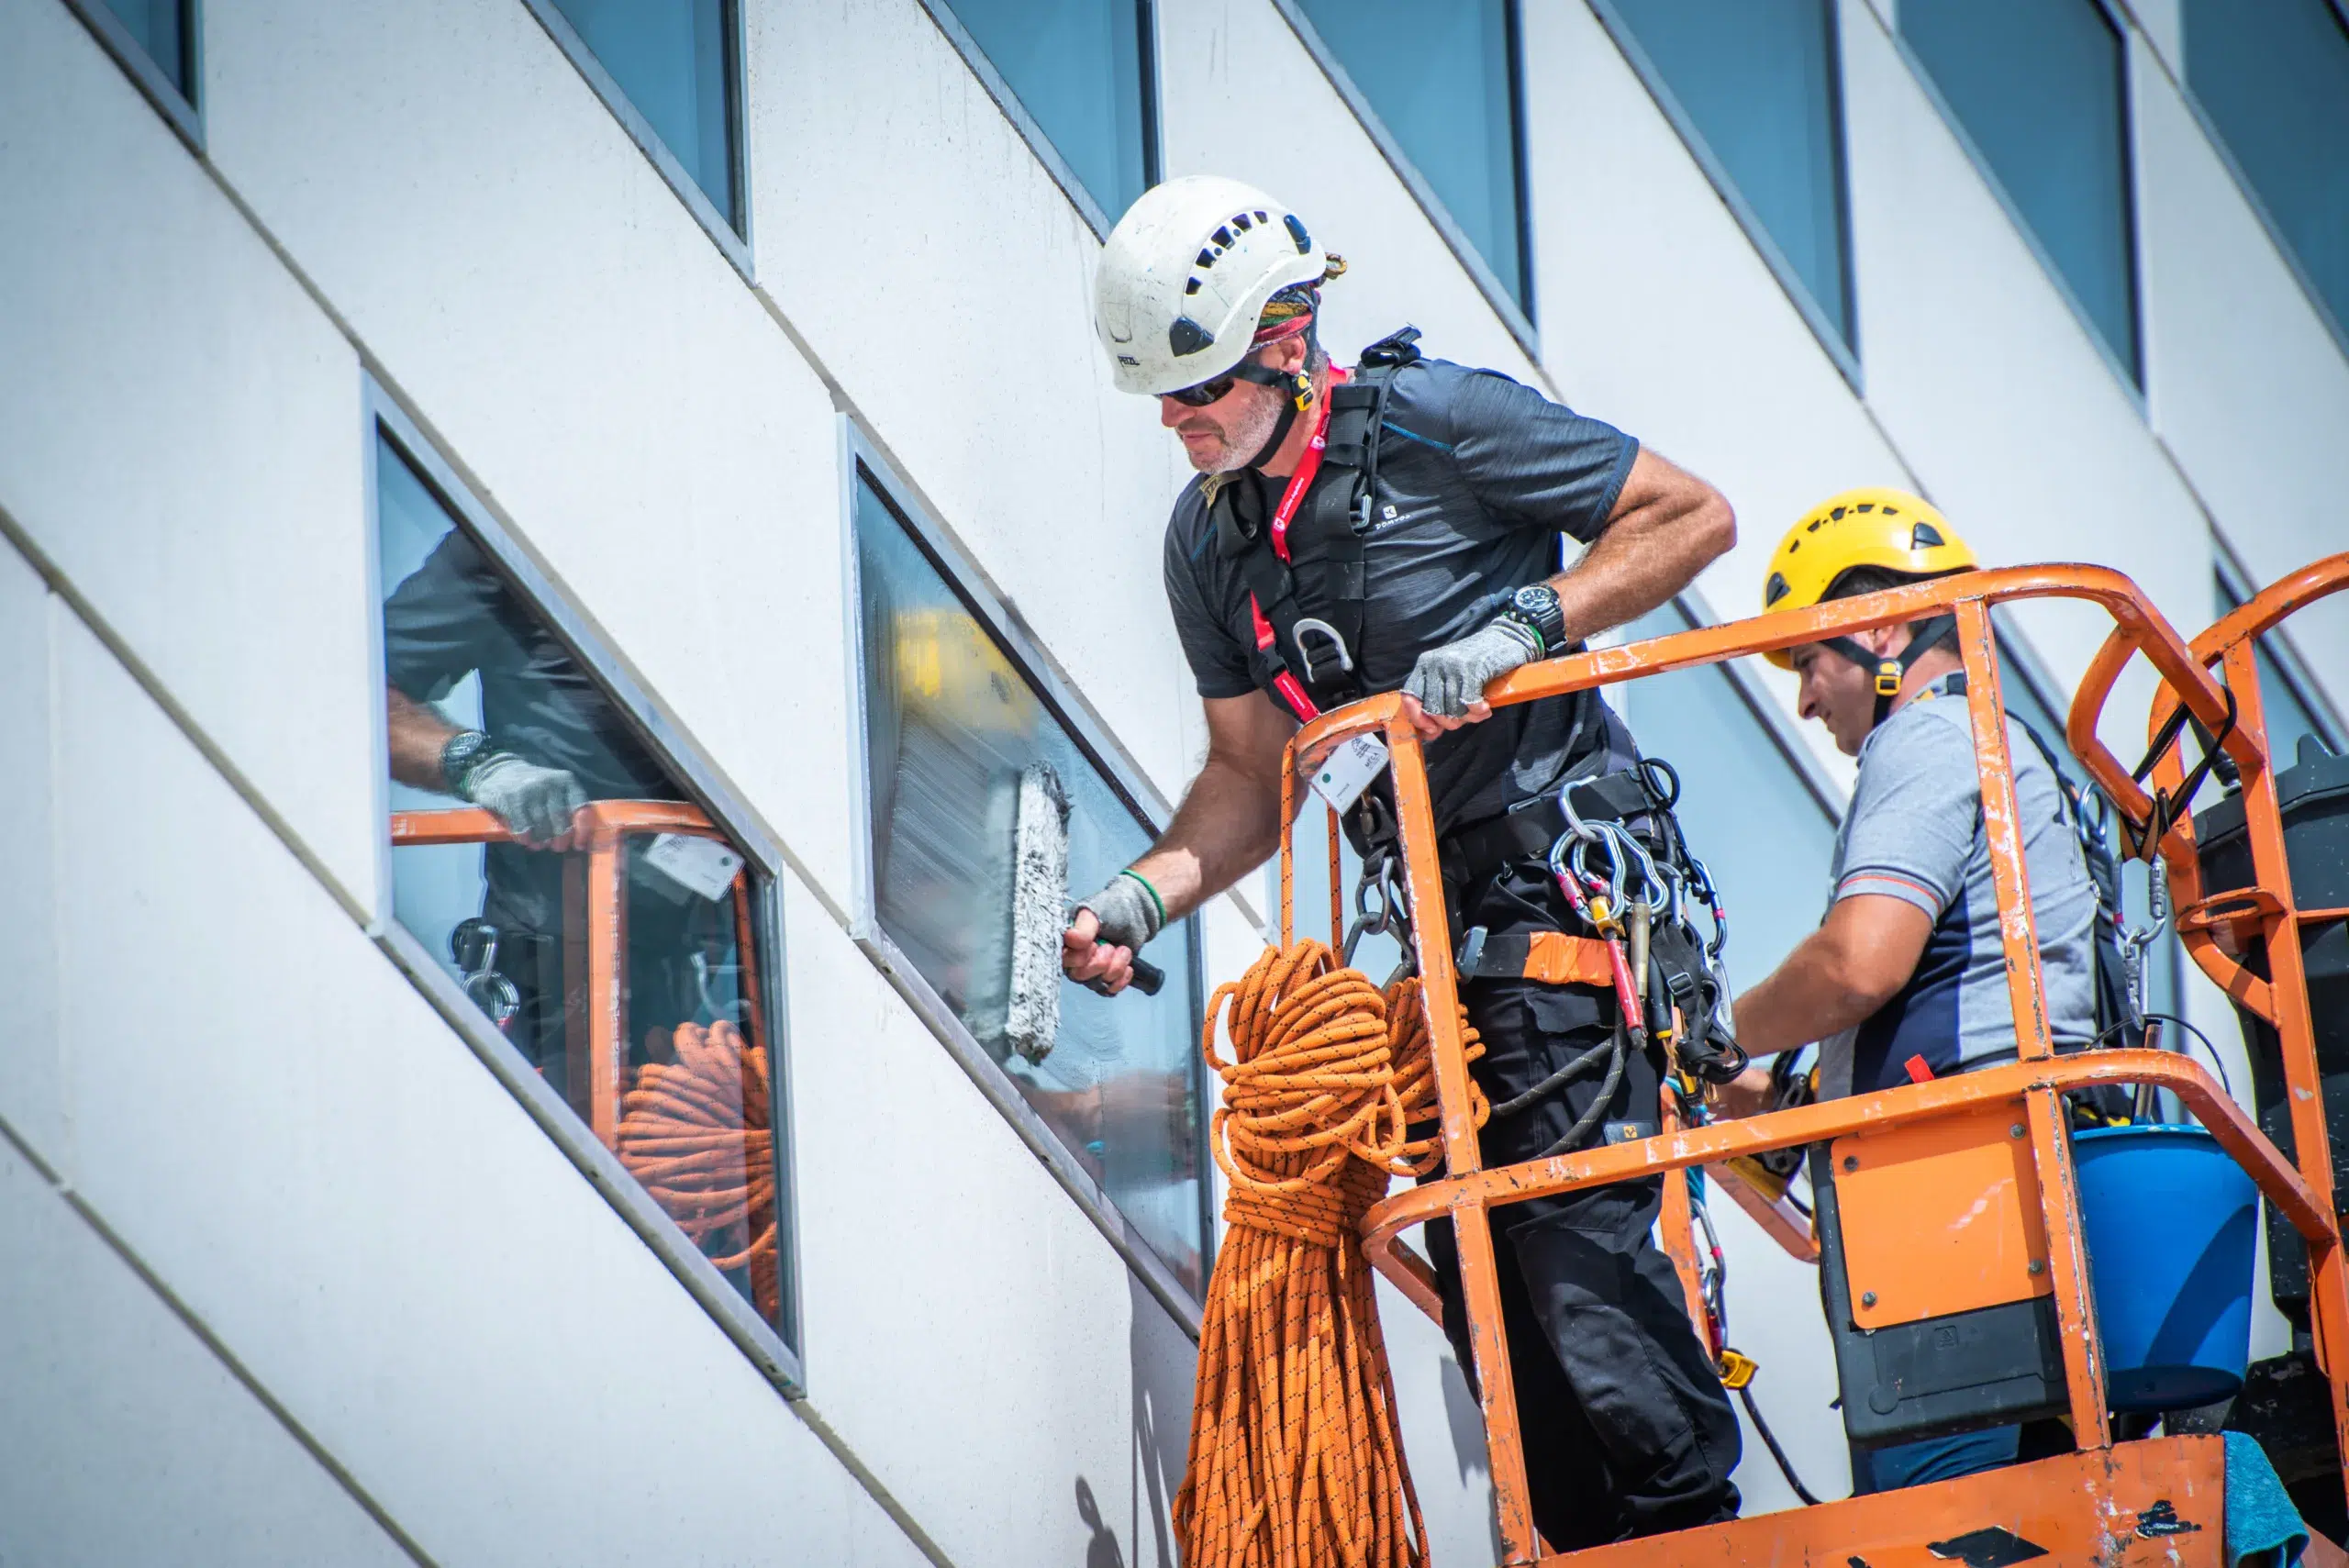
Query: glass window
x=165 y=29
x=2274 y=78
x=951 y=722
x=1442 y=79
x=619 y=947
x=1081 y=68
x=2291 y=713
x=674 y=61
x=2037 y=86
x=1755 y=82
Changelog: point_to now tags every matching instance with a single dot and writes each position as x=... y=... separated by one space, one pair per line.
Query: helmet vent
x=1239 y=221
x=1924 y=536
x=1191 y=287
x=1206 y=258
x=1223 y=237
x=1815 y=524
x=1837 y=514
x=1865 y=506
x=1774 y=590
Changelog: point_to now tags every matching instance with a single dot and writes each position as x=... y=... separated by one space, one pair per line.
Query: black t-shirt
x=1477 y=474
x=455 y=616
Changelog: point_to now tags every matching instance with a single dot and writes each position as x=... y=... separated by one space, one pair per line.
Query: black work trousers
x=1626 y=1427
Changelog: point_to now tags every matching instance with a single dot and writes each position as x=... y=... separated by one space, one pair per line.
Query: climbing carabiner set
x=1670 y=982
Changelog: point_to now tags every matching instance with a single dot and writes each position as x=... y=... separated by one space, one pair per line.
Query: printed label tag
x=703 y=865
x=1346 y=773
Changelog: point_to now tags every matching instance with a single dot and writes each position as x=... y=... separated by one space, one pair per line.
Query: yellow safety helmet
x=1874 y=527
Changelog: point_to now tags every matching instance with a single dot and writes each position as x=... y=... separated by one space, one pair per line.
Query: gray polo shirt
x=1478 y=476
x=1914 y=832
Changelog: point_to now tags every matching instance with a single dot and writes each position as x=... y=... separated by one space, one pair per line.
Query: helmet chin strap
x=1892 y=672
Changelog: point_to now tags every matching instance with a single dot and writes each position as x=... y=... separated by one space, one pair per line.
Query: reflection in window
x=673 y=58
x=165 y=29
x=2037 y=86
x=1756 y=81
x=1746 y=809
x=2023 y=691
x=951 y=722
x=2274 y=78
x=622 y=958
x=1080 y=69
x=2291 y=713
x=1442 y=79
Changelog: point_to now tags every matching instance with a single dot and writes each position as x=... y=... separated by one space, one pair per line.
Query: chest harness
x=1302 y=565
x=1639 y=895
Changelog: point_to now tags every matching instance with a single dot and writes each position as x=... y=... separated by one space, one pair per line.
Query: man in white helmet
x=1395 y=528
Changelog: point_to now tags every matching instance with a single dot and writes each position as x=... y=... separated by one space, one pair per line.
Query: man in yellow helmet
x=1905 y=978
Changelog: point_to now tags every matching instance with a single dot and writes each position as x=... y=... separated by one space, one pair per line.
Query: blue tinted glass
x=1757 y=79
x=2274 y=76
x=1745 y=809
x=670 y=58
x=161 y=27
x=659 y=1043
x=951 y=723
x=1077 y=68
x=2037 y=86
x=1442 y=79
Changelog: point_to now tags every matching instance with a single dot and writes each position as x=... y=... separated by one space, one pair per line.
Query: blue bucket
x=2170 y=1221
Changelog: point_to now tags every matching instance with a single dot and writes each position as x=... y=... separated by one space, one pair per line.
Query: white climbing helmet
x=1185 y=276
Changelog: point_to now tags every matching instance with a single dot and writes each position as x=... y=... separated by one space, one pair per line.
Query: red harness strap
x=1309 y=464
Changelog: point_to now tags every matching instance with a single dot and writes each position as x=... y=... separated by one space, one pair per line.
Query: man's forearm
x=1228 y=825
x=417 y=732
x=1669 y=526
x=1804 y=999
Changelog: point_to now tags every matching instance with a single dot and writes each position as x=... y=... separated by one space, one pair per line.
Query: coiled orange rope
x=1295 y=1460
x=696 y=1131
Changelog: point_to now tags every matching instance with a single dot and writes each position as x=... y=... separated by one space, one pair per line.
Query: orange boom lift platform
x=2155 y=1500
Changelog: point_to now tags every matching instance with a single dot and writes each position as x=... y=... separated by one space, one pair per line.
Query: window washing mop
x=1040 y=913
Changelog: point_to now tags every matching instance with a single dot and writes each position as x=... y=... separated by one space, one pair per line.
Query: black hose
x=1556 y=1081
x=1599 y=1102
x=1770 y=1441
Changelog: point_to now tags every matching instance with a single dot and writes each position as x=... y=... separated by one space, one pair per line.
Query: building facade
x=711 y=388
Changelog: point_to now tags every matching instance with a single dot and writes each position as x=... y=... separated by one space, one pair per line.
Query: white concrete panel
x=2008 y=413
x=127 y=1441
x=2249 y=389
x=182 y=430
x=951 y=295
x=31 y=1101
x=276 y=1122
x=557 y=317
x=1665 y=320
x=2163 y=26
x=1444 y=1432
x=1232 y=70
x=972 y=1335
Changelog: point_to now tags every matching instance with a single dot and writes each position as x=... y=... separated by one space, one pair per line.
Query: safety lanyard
x=1309 y=464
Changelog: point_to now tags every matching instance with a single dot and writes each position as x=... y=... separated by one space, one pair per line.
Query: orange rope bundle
x=694 y=1131
x=1295 y=1460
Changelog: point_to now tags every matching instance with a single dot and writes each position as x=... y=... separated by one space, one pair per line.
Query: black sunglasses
x=1219 y=389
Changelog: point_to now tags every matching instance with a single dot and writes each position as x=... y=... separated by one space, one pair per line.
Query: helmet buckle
x=1888 y=678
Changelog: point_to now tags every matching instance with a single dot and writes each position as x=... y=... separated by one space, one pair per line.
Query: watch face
x=1537 y=598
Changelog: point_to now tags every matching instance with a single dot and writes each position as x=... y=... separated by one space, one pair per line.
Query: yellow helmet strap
x=1890 y=674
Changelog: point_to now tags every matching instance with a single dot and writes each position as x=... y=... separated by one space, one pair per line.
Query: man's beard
x=1245 y=432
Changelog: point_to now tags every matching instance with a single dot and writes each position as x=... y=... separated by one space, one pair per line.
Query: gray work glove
x=536 y=803
x=1129 y=916
x=1447 y=679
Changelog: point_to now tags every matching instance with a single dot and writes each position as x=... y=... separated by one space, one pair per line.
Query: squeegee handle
x=1148 y=978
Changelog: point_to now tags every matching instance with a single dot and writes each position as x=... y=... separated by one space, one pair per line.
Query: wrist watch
x=459 y=754
x=1536 y=605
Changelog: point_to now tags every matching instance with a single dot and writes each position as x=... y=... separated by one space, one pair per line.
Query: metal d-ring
x=1316 y=624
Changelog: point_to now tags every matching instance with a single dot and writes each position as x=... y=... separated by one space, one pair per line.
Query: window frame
x=941 y=14
x=2131 y=378
x=183 y=111
x=2183 y=79
x=775 y=1349
x=862 y=460
x=733 y=241
x=1517 y=318
x=1785 y=733
x=1846 y=356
